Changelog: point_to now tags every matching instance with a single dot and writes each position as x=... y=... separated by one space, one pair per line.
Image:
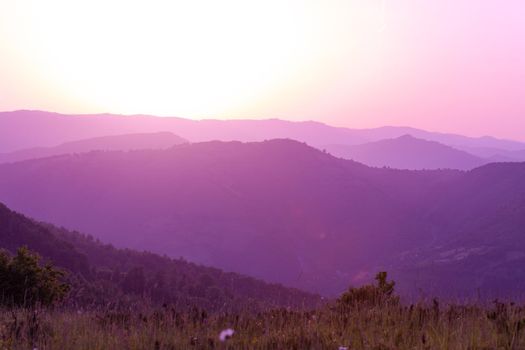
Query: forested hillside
x=101 y=274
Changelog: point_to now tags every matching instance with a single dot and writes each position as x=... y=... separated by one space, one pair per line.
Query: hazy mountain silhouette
x=48 y=129
x=518 y=155
x=408 y=152
x=253 y=208
x=29 y=129
x=258 y=208
x=158 y=140
x=507 y=156
x=486 y=145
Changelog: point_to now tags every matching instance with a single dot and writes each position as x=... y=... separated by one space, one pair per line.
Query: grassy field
x=386 y=326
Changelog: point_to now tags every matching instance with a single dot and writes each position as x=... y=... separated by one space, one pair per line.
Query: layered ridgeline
x=288 y=213
x=49 y=129
x=127 y=142
x=408 y=152
x=102 y=275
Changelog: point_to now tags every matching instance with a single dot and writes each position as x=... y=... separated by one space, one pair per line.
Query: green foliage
x=370 y=294
x=24 y=282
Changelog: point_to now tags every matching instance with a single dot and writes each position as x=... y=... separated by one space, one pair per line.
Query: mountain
x=252 y=208
x=486 y=145
x=477 y=224
x=408 y=152
x=518 y=155
x=158 y=140
x=508 y=156
x=48 y=129
x=101 y=274
x=320 y=221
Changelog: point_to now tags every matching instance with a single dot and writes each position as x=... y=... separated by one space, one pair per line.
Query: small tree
x=385 y=288
x=370 y=294
x=23 y=282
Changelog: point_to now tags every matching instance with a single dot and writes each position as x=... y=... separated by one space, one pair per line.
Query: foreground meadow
x=336 y=326
x=41 y=310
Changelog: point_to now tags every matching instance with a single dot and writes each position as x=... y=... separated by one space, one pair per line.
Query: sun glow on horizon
x=188 y=58
x=450 y=65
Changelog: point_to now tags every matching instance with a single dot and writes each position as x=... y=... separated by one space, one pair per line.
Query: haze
x=293 y=174
x=453 y=66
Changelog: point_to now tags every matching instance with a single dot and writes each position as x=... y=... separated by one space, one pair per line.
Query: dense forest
x=101 y=275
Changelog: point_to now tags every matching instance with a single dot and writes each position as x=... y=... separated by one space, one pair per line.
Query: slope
x=253 y=208
x=102 y=274
x=407 y=152
x=158 y=140
x=48 y=129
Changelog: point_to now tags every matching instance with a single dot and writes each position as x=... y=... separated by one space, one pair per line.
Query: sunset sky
x=448 y=65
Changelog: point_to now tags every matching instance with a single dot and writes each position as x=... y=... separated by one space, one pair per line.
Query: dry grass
x=379 y=327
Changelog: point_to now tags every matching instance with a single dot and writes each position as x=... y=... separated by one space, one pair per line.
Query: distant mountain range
x=321 y=222
x=28 y=129
x=408 y=152
x=158 y=140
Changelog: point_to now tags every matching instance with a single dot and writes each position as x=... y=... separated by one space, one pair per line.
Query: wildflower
x=226 y=334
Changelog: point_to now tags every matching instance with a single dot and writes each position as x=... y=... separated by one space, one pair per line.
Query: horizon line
x=256 y=119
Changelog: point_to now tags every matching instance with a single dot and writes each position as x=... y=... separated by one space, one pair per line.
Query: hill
x=48 y=129
x=253 y=208
x=478 y=243
x=158 y=140
x=408 y=152
x=102 y=274
x=280 y=205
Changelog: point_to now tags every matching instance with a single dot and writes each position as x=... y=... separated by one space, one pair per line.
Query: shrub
x=24 y=282
x=370 y=294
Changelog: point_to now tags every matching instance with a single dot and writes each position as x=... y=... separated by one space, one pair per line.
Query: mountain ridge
x=280 y=205
x=125 y=142
x=408 y=152
x=62 y=128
